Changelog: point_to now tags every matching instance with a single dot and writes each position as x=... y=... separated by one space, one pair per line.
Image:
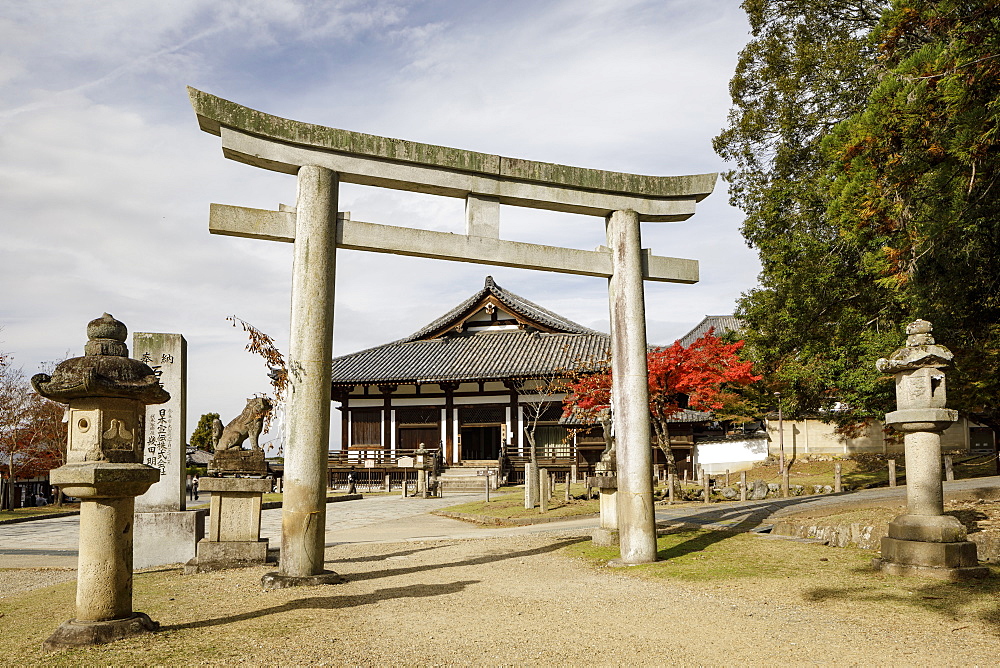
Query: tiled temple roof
x=723 y=324
x=547 y=342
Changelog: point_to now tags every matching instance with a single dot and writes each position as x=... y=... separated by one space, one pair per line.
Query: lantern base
x=75 y=633
x=944 y=561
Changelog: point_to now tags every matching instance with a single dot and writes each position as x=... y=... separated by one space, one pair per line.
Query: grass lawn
x=747 y=568
x=37 y=510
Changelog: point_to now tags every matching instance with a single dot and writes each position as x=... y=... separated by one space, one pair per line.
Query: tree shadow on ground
x=475 y=561
x=332 y=603
x=378 y=557
x=955 y=601
x=748 y=517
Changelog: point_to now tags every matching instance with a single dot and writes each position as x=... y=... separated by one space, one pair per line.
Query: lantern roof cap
x=105 y=370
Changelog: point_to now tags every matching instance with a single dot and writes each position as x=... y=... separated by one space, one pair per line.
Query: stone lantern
x=924 y=541
x=107 y=393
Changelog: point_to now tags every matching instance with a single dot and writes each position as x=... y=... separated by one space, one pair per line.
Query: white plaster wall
x=731 y=456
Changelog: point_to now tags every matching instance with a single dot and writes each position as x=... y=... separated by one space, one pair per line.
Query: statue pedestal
x=233 y=539
x=606 y=535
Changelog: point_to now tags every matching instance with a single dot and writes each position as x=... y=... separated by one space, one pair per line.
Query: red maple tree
x=702 y=376
x=32 y=433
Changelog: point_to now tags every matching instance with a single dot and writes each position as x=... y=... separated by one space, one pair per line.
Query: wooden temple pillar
x=387 y=434
x=450 y=418
x=515 y=415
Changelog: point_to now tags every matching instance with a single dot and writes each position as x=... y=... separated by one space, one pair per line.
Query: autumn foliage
x=703 y=376
x=32 y=433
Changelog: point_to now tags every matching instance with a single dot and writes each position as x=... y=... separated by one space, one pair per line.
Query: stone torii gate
x=323 y=157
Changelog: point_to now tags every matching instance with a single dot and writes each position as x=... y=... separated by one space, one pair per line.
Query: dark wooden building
x=469 y=385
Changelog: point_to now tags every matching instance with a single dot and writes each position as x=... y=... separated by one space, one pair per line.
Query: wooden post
x=743 y=485
x=727 y=477
x=837 y=487
x=892 y=473
x=949 y=469
x=706 y=484
x=387 y=482
x=543 y=492
x=685 y=476
x=567 y=487
x=487 y=485
x=670 y=488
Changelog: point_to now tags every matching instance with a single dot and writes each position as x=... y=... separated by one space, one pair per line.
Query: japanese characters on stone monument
x=924 y=541
x=322 y=157
x=107 y=393
x=164 y=532
x=166 y=424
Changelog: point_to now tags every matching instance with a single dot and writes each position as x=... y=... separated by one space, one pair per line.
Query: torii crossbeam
x=322 y=157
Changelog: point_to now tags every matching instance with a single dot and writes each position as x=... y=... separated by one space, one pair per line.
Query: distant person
x=194 y=487
x=352 y=488
x=40 y=500
x=190 y=489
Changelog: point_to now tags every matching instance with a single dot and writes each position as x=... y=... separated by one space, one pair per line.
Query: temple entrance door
x=410 y=438
x=480 y=443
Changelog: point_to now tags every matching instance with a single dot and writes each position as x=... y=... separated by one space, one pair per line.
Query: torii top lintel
x=284 y=145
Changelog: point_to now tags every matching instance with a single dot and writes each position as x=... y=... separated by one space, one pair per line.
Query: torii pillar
x=322 y=157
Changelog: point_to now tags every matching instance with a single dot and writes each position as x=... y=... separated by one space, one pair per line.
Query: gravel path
x=426 y=590
x=518 y=601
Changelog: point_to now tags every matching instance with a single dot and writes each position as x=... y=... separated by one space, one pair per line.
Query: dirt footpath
x=497 y=601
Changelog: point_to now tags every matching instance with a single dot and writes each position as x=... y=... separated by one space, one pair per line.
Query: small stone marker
x=706 y=484
x=949 y=469
x=892 y=473
x=543 y=490
x=837 y=487
x=743 y=485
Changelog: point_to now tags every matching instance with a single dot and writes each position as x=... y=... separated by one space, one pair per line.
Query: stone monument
x=606 y=482
x=238 y=482
x=165 y=533
x=924 y=541
x=107 y=393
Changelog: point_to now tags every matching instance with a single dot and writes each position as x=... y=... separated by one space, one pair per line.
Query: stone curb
x=47 y=516
x=510 y=521
x=271 y=505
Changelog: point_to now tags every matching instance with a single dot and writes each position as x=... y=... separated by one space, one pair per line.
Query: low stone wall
x=838 y=535
x=869 y=538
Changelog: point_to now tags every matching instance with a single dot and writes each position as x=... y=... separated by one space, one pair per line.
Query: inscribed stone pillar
x=166 y=424
x=164 y=532
x=630 y=391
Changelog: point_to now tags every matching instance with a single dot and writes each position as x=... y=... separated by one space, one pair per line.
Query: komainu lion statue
x=249 y=423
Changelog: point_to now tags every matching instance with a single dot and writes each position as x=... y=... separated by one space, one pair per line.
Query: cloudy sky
x=105 y=178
